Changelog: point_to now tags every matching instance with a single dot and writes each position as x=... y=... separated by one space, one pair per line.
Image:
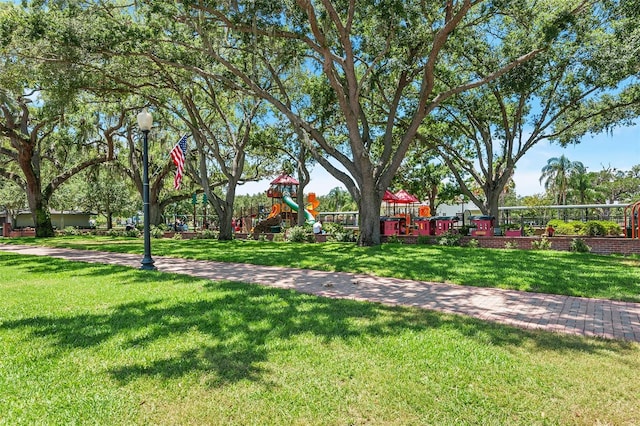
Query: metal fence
x=540 y=216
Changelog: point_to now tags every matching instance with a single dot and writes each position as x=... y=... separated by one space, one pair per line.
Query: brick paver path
x=564 y=314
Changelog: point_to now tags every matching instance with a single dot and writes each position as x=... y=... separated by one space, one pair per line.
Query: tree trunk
x=42 y=219
x=369 y=219
x=300 y=200
x=155 y=209
x=226 y=213
x=226 y=230
x=38 y=205
x=155 y=214
x=109 y=220
x=493 y=203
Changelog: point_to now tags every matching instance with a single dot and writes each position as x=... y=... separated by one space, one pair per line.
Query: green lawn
x=574 y=274
x=97 y=344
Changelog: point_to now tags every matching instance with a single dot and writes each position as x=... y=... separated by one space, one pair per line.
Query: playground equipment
x=632 y=224
x=424 y=211
x=270 y=224
x=309 y=217
x=390 y=225
x=284 y=209
x=424 y=225
x=400 y=223
x=444 y=224
x=484 y=226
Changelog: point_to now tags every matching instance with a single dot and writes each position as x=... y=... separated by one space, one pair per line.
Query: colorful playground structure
x=424 y=223
x=631 y=215
x=284 y=210
x=483 y=226
x=402 y=223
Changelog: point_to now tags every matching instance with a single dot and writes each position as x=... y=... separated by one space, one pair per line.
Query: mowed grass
x=554 y=272
x=97 y=344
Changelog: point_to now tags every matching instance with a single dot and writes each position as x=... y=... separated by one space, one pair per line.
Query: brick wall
x=27 y=232
x=607 y=245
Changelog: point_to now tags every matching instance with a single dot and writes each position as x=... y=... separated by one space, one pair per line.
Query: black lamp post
x=145 y=121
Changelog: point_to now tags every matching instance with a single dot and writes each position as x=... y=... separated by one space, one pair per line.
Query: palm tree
x=556 y=176
x=580 y=185
x=338 y=199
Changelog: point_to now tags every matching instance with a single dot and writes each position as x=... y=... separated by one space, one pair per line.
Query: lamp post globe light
x=145 y=121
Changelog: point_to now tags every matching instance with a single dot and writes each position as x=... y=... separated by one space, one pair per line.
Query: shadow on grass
x=237 y=325
x=49 y=265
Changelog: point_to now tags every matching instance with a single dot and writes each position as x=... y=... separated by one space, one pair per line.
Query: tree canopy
x=360 y=83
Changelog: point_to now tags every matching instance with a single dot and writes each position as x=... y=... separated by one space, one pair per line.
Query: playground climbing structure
x=283 y=191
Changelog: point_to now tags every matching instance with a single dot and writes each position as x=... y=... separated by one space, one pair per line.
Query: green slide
x=289 y=201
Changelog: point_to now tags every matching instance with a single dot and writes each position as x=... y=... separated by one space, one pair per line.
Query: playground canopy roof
x=389 y=196
x=403 y=197
x=285 y=179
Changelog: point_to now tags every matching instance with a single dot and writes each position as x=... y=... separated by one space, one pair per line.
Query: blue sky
x=619 y=149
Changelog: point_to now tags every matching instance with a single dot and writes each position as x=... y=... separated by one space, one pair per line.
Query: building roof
x=65 y=212
x=285 y=179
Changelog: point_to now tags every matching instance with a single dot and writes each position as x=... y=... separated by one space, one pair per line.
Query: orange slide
x=313 y=204
x=275 y=210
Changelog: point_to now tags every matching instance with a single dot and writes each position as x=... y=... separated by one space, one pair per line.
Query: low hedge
x=592 y=228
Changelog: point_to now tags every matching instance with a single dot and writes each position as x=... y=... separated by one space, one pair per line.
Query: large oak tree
x=378 y=69
x=582 y=83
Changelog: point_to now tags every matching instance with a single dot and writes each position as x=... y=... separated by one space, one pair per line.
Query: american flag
x=178 y=154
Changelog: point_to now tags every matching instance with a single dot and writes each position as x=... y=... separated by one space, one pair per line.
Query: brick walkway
x=564 y=314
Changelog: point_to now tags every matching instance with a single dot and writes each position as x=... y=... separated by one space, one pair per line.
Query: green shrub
x=612 y=228
x=393 y=239
x=594 y=228
x=473 y=243
x=133 y=233
x=541 y=244
x=600 y=228
x=528 y=231
x=337 y=232
x=449 y=239
x=70 y=230
x=342 y=236
x=332 y=227
x=566 y=228
x=115 y=233
x=208 y=234
x=510 y=245
x=177 y=236
x=299 y=234
x=278 y=238
x=579 y=246
x=157 y=232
